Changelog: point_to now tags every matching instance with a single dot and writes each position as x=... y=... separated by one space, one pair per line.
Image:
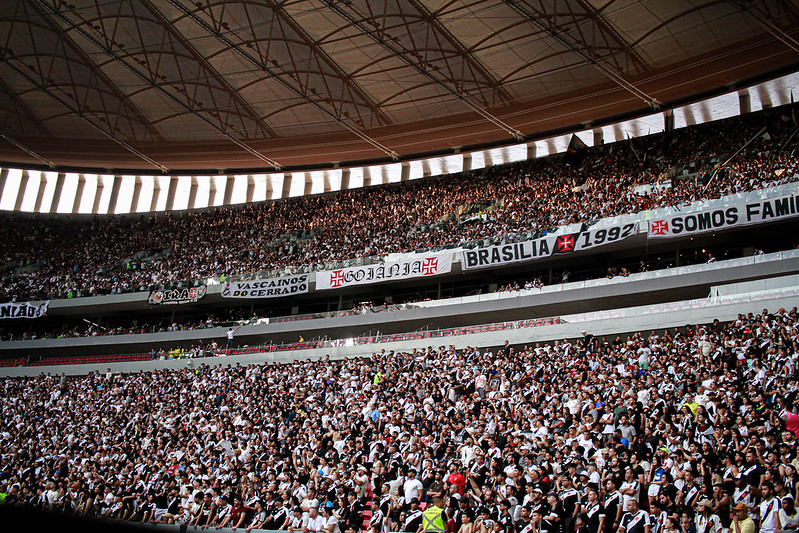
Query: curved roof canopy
x=175 y=85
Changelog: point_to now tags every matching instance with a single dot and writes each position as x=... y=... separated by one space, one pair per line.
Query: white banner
x=410 y=268
x=505 y=254
x=737 y=214
x=23 y=310
x=266 y=288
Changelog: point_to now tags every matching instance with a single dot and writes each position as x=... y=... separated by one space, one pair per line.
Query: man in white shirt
x=316 y=523
x=769 y=515
x=412 y=488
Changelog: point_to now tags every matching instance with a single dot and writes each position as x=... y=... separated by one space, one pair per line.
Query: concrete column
x=23 y=184
x=668 y=120
x=79 y=193
x=405 y=175
x=229 y=183
x=193 y=193
x=286 y=191
x=170 y=196
x=59 y=186
x=531 y=150
x=116 y=184
x=250 y=188
x=599 y=137
x=744 y=102
x=345 y=179
x=3 y=177
x=37 y=207
x=308 y=183
x=269 y=189
x=134 y=201
x=156 y=194
x=467 y=162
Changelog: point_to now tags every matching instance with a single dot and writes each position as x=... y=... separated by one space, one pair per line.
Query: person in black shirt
x=593 y=513
x=613 y=506
x=571 y=503
x=352 y=517
x=540 y=525
x=524 y=523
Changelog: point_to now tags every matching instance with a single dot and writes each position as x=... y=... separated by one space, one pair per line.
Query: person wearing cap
x=741 y=521
x=769 y=510
x=706 y=521
x=434 y=518
x=635 y=520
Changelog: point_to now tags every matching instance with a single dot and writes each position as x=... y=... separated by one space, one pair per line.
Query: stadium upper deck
x=100 y=254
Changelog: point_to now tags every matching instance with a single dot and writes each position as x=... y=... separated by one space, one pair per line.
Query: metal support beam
x=770 y=27
x=71 y=26
x=3 y=177
x=277 y=77
x=27 y=150
x=402 y=54
x=539 y=20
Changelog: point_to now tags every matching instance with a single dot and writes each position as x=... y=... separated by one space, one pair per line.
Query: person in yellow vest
x=434 y=518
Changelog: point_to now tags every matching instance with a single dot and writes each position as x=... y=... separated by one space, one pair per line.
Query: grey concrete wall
x=617 y=322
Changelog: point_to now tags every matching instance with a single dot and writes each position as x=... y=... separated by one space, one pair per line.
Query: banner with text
x=23 y=310
x=185 y=295
x=266 y=288
x=410 y=268
x=505 y=254
x=737 y=214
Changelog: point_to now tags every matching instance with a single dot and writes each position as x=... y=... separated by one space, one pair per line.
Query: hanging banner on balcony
x=266 y=288
x=739 y=213
x=23 y=310
x=505 y=254
x=420 y=267
x=186 y=295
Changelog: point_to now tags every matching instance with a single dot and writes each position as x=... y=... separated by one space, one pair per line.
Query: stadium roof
x=222 y=84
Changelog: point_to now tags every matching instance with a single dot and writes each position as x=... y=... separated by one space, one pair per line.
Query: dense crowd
x=691 y=430
x=69 y=255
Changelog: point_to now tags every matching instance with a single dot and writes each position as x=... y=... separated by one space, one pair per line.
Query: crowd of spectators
x=690 y=430
x=60 y=256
